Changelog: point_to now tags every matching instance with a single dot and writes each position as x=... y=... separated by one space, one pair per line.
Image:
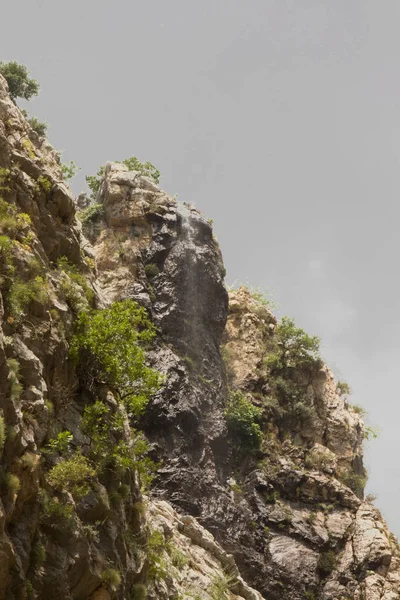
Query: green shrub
x=9 y=225
x=5 y=179
x=74 y=286
x=38 y=555
x=371 y=432
x=2 y=435
x=265 y=298
x=39 y=126
x=109 y=450
x=28 y=461
x=69 y=170
x=43 y=183
x=91 y=532
x=151 y=270
x=22 y=293
x=221 y=585
x=144 y=168
x=73 y=475
x=115 y=339
x=343 y=388
x=73 y=293
x=6 y=246
x=29 y=589
x=358 y=409
x=28 y=147
x=326 y=563
x=138 y=592
x=60 y=444
x=289 y=404
x=157 y=547
x=295 y=347
x=103 y=428
x=94 y=182
x=354 y=481
x=13 y=377
x=54 y=512
x=242 y=417
x=140 y=509
x=28 y=239
x=111 y=578
x=19 y=84
x=11 y=221
x=228 y=357
x=271 y=497
x=35 y=267
x=91 y=214
x=236 y=487
x=50 y=406
x=124 y=491
x=10 y=484
x=312 y=517
x=178 y=558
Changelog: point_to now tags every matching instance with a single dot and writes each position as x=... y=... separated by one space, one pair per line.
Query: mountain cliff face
x=258 y=492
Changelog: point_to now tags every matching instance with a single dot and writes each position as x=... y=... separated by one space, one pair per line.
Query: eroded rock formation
x=284 y=520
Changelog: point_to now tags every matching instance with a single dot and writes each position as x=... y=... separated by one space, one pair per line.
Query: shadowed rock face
x=189 y=305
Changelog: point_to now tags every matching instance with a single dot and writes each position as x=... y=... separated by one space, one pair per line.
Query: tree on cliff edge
x=19 y=84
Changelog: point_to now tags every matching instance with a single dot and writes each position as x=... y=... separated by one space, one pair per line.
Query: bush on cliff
x=242 y=418
x=110 y=343
x=295 y=348
x=296 y=353
x=39 y=126
x=109 y=449
x=73 y=475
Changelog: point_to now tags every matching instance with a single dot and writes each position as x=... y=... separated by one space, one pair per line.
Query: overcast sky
x=279 y=119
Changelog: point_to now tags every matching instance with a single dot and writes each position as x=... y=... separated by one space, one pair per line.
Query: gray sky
x=280 y=119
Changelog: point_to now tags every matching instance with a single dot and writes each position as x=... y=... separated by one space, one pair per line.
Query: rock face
x=200 y=566
x=283 y=519
x=48 y=549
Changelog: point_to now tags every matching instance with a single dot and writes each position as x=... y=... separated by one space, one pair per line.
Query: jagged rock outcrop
x=206 y=571
x=283 y=519
x=286 y=512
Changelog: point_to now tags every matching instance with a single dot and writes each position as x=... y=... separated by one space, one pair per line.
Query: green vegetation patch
x=73 y=475
x=113 y=342
x=243 y=419
x=19 y=84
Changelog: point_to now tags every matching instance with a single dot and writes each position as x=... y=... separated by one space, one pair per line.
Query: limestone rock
x=286 y=520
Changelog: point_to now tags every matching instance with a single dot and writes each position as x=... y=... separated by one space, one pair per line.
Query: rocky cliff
x=258 y=489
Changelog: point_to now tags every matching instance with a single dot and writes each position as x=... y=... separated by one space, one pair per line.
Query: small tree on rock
x=19 y=84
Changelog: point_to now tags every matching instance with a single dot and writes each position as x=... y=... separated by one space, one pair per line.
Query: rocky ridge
x=288 y=519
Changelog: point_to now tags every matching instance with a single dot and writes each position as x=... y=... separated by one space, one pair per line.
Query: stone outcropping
x=287 y=520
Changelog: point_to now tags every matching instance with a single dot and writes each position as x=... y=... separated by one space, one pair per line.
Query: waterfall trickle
x=189 y=279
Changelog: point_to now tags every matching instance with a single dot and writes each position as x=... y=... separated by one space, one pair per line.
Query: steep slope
x=259 y=486
x=87 y=533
